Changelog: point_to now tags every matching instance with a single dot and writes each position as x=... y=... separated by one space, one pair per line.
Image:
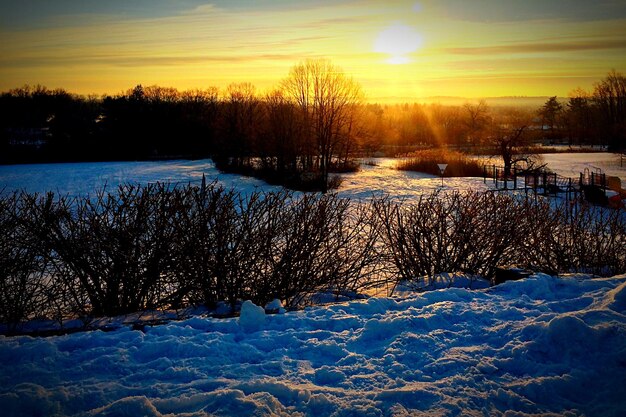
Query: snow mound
x=275 y=306
x=440 y=281
x=539 y=346
x=251 y=317
x=616 y=299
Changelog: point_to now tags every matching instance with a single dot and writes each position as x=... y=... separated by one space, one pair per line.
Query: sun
x=398 y=40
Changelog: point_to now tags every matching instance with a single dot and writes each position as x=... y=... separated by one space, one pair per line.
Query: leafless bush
x=499 y=226
x=298 y=261
x=156 y=246
x=221 y=243
x=110 y=252
x=580 y=238
x=359 y=256
x=323 y=243
x=269 y=245
x=24 y=290
x=468 y=232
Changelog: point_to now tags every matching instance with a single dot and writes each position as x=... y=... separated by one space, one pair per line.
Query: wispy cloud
x=117 y=43
x=541 y=47
x=498 y=11
x=149 y=61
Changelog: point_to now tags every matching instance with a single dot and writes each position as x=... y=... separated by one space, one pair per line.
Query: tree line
x=597 y=117
x=310 y=125
x=164 y=247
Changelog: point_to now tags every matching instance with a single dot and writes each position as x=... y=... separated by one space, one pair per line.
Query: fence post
x=505 y=178
x=515 y=178
x=526 y=184
x=535 y=179
x=569 y=188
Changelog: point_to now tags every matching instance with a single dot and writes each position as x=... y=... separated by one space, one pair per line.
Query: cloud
x=540 y=47
x=516 y=11
x=144 y=61
x=26 y=14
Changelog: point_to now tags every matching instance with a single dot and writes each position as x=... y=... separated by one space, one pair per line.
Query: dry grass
x=459 y=164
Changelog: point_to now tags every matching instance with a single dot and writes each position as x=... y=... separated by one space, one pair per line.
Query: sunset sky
x=397 y=50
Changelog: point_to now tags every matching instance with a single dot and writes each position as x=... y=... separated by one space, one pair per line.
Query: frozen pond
x=379 y=178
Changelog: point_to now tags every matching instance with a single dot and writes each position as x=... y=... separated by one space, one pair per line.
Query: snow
x=441 y=281
x=380 y=179
x=251 y=317
x=572 y=164
x=540 y=345
x=275 y=306
x=383 y=179
x=85 y=177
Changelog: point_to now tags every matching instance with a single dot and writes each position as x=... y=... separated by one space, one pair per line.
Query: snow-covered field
x=84 y=178
x=572 y=164
x=539 y=346
x=543 y=345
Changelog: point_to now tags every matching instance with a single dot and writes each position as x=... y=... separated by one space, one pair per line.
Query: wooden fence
x=589 y=185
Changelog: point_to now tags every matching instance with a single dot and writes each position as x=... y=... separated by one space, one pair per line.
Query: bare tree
x=284 y=142
x=610 y=97
x=510 y=139
x=239 y=120
x=477 y=120
x=327 y=99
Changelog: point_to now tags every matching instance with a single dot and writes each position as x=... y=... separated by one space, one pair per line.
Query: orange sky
x=397 y=50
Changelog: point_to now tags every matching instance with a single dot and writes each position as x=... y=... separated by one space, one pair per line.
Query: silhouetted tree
x=326 y=98
x=477 y=120
x=610 y=97
x=239 y=122
x=579 y=115
x=284 y=142
x=510 y=140
x=550 y=114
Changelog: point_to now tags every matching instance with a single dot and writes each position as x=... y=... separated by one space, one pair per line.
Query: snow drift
x=542 y=345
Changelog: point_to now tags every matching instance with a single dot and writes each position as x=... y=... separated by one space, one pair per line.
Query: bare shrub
x=24 y=288
x=417 y=236
x=580 y=238
x=220 y=242
x=470 y=232
x=356 y=250
x=270 y=245
x=109 y=251
x=156 y=246
x=324 y=244
x=499 y=225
